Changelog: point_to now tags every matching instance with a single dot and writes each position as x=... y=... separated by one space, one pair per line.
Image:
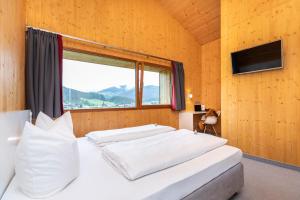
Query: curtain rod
x=105 y=46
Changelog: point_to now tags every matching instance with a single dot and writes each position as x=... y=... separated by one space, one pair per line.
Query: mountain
x=113 y=91
x=108 y=97
x=119 y=100
x=150 y=92
x=75 y=95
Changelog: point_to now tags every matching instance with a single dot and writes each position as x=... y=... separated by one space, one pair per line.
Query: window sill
x=155 y=106
x=118 y=109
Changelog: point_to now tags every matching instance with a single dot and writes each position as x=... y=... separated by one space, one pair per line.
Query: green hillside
x=107 y=98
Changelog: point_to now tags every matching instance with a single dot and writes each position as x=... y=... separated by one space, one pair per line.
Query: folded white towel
x=138 y=158
x=102 y=138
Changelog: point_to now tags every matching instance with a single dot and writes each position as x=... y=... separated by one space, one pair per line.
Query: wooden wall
x=261 y=110
x=87 y=121
x=12 y=40
x=142 y=26
x=211 y=77
x=211 y=74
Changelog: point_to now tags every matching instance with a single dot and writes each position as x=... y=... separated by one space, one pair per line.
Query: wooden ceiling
x=200 y=17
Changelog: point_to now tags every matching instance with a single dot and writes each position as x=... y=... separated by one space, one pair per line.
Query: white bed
x=98 y=180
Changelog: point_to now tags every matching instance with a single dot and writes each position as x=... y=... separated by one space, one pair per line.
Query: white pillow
x=46 y=160
x=44 y=122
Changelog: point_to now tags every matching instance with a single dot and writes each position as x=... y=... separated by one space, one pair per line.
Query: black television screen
x=260 y=58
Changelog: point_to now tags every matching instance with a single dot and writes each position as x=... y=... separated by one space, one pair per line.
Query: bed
x=217 y=174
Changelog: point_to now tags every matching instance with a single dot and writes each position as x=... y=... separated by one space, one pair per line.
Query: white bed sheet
x=99 y=181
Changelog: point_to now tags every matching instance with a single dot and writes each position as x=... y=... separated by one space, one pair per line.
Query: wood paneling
x=89 y=121
x=211 y=74
x=201 y=18
x=211 y=77
x=260 y=111
x=12 y=40
x=142 y=26
x=74 y=45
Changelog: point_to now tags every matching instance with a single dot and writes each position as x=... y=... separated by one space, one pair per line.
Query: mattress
x=98 y=180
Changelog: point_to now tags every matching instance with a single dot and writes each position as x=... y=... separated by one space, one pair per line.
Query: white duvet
x=103 y=138
x=137 y=158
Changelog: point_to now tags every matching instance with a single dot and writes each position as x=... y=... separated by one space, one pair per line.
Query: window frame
x=139 y=76
x=141 y=91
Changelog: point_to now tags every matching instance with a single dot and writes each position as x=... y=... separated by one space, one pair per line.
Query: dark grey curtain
x=43 y=73
x=178 y=94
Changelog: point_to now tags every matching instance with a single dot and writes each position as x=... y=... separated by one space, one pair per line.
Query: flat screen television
x=259 y=58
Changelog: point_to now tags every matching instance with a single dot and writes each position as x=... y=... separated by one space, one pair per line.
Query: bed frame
x=222 y=187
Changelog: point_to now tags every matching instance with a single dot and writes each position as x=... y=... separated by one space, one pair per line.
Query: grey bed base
x=222 y=187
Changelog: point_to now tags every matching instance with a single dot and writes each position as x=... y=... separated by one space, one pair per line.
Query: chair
x=211 y=121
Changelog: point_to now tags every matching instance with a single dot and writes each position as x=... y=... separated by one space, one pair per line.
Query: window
x=91 y=81
x=156 y=86
x=97 y=82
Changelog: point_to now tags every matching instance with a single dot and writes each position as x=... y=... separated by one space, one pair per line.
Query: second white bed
x=98 y=180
